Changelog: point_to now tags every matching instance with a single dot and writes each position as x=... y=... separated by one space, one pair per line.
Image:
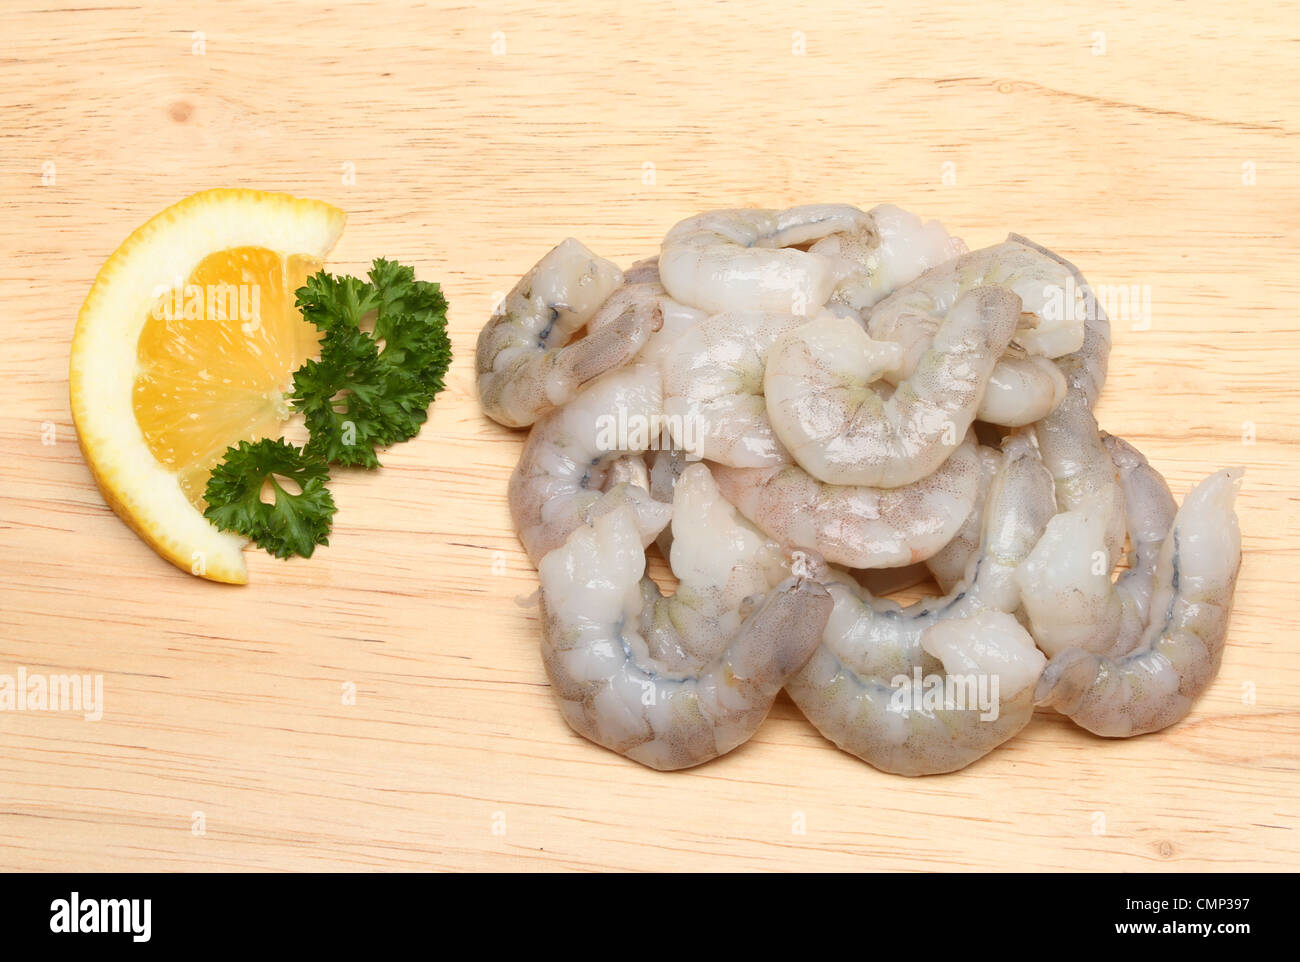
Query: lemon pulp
x=216 y=355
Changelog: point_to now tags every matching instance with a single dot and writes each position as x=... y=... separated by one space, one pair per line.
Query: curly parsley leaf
x=327 y=300
x=354 y=401
x=295 y=523
x=359 y=397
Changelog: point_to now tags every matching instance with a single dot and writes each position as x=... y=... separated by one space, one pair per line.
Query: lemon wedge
x=184 y=346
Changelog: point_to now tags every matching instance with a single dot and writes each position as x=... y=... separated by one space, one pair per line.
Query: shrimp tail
x=520 y=371
x=610 y=347
x=1067 y=678
x=785 y=630
x=1156 y=684
x=542 y=382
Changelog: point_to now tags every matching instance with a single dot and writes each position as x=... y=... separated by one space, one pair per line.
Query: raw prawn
x=1155 y=685
x=854 y=525
x=674 y=682
x=948 y=566
x=1068 y=436
x=525 y=363
x=642 y=291
x=746 y=259
x=912 y=314
x=1023 y=387
x=824 y=408
x=863 y=687
x=713 y=388
x=559 y=481
x=893 y=248
x=1065 y=582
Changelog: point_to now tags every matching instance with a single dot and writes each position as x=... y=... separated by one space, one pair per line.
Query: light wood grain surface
x=1154 y=144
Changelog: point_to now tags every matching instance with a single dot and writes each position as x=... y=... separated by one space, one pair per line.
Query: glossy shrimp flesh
x=747 y=260
x=1149 y=510
x=1023 y=385
x=835 y=370
x=1085 y=367
x=865 y=688
x=857 y=525
x=824 y=405
x=1154 y=685
x=525 y=363
x=892 y=248
x=1065 y=582
x=561 y=479
x=1068 y=435
x=643 y=291
x=1022 y=388
x=674 y=682
x=713 y=388
x=948 y=565
x=912 y=314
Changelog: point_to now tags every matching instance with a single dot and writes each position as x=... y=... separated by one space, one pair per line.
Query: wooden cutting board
x=1154 y=144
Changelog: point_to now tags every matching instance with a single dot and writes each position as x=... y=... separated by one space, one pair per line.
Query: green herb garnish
x=369 y=390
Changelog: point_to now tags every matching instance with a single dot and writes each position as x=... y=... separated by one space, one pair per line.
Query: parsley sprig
x=358 y=397
x=368 y=390
x=294 y=523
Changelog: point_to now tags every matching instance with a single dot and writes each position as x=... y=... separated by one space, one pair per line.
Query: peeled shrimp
x=525 y=363
x=713 y=388
x=639 y=293
x=674 y=682
x=1068 y=436
x=745 y=260
x=1179 y=654
x=858 y=526
x=560 y=480
x=1149 y=509
x=913 y=313
x=1072 y=450
x=948 y=565
x=643 y=291
x=1023 y=387
x=1065 y=582
x=824 y=407
x=1085 y=367
x=862 y=686
x=891 y=249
